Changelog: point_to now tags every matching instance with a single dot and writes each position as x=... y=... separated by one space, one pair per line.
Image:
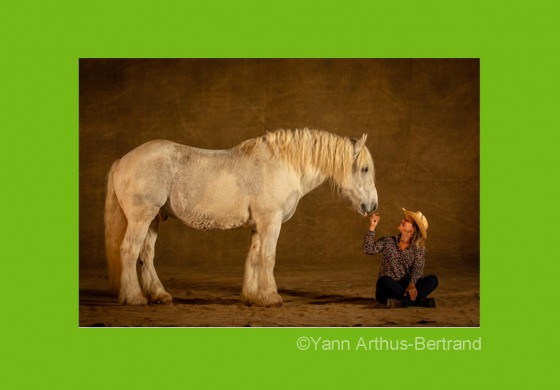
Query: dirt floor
x=313 y=297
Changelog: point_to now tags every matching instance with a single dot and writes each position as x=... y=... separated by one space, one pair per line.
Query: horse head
x=359 y=184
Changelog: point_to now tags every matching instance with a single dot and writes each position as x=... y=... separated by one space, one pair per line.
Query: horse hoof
x=162 y=298
x=134 y=301
x=273 y=300
x=274 y=304
x=268 y=300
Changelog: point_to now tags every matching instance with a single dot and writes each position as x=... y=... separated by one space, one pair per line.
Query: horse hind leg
x=151 y=285
x=130 y=292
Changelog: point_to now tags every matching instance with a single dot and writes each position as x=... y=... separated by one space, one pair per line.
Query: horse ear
x=359 y=145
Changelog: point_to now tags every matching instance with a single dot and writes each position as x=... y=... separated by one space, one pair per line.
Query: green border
x=42 y=345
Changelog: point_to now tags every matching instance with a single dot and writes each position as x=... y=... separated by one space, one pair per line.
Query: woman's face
x=406 y=226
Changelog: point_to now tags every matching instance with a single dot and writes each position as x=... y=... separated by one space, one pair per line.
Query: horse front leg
x=250 y=280
x=259 y=287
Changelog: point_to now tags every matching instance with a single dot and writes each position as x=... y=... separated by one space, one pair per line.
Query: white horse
x=256 y=184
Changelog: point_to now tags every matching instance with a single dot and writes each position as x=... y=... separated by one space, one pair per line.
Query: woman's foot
x=428 y=302
x=394 y=303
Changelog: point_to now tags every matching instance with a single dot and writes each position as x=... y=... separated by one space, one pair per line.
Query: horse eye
x=365 y=169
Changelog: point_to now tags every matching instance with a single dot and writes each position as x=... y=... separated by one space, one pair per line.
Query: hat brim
x=418 y=222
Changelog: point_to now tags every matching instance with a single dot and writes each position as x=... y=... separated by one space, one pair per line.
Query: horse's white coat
x=257 y=184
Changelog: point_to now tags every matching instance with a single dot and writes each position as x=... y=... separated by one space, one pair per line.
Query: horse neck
x=315 y=155
x=322 y=167
x=311 y=180
x=313 y=176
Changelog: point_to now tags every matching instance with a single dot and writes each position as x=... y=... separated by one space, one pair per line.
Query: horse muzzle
x=368 y=209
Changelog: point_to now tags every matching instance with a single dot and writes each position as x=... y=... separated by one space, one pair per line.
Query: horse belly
x=204 y=219
x=212 y=212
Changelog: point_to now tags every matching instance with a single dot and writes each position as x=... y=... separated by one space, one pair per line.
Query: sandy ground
x=313 y=297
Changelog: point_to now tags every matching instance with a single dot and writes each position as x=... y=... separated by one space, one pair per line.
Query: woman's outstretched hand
x=373 y=221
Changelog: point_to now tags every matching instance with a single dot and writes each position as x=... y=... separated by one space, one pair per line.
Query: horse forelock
x=305 y=150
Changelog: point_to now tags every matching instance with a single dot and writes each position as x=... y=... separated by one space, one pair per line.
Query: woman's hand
x=411 y=291
x=373 y=221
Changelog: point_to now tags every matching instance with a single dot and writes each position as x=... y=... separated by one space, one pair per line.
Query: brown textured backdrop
x=421 y=115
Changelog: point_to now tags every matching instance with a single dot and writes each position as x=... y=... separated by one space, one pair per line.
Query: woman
x=400 y=282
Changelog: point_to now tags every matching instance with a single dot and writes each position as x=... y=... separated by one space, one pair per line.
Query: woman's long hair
x=417 y=240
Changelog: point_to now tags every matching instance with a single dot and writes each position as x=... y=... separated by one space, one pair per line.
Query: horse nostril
x=368 y=209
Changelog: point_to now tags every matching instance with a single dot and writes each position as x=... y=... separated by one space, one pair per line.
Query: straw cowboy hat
x=420 y=220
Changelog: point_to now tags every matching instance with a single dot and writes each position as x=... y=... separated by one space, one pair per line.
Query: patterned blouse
x=407 y=265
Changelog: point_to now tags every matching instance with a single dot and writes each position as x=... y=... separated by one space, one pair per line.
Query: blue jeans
x=388 y=287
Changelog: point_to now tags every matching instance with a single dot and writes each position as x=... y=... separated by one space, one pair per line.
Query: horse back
x=224 y=189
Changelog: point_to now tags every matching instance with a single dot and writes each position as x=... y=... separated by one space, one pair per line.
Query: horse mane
x=306 y=149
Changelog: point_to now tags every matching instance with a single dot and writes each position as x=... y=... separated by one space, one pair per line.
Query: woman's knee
x=385 y=281
x=432 y=280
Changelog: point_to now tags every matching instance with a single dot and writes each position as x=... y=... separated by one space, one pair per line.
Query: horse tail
x=115 y=229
